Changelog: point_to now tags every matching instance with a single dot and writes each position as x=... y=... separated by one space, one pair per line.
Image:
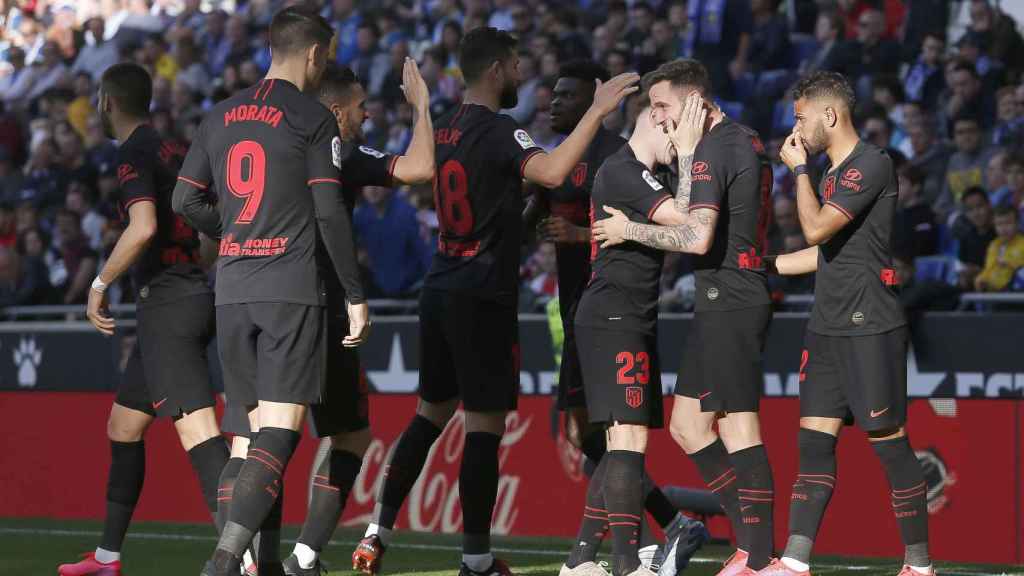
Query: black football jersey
x=261 y=150
x=147 y=168
x=624 y=285
x=855 y=291
x=571 y=201
x=732 y=175
x=480 y=157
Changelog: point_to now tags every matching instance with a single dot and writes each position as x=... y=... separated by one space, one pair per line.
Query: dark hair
x=965 y=118
x=337 y=83
x=890 y=83
x=825 y=85
x=680 y=73
x=1005 y=210
x=584 y=70
x=936 y=34
x=975 y=191
x=297 y=28
x=965 y=66
x=369 y=25
x=130 y=86
x=912 y=173
x=482 y=47
x=878 y=113
x=836 y=20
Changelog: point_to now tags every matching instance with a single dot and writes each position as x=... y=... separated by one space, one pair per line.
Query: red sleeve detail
x=198 y=185
x=522 y=165
x=840 y=208
x=650 y=213
x=704 y=205
x=323 y=181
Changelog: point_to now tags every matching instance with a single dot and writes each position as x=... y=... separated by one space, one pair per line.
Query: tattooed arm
x=692 y=233
x=685 y=183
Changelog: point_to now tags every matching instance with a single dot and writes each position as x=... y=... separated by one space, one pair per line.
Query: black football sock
x=267 y=542
x=811 y=492
x=258 y=485
x=478 y=490
x=208 y=460
x=594 y=524
x=404 y=468
x=225 y=488
x=716 y=469
x=909 y=497
x=124 y=485
x=756 y=497
x=332 y=482
x=594 y=446
x=623 y=496
x=657 y=504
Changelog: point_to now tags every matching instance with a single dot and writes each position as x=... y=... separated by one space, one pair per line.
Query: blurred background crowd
x=944 y=98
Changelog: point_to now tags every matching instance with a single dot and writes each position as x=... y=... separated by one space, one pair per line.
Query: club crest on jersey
x=699 y=172
x=652 y=181
x=336 y=152
x=372 y=152
x=523 y=139
x=851 y=178
x=830 y=186
x=634 y=396
x=579 y=174
x=125 y=172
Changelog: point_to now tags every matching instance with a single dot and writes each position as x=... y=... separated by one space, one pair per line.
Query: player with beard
x=272 y=153
x=468 y=322
x=568 y=225
x=724 y=192
x=341 y=418
x=167 y=372
x=854 y=360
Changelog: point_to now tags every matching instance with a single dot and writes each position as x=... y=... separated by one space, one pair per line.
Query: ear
x=831 y=118
x=496 y=68
x=338 y=111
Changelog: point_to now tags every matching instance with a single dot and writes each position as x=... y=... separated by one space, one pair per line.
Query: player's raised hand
x=558 y=229
x=690 y=128
x=793 y=152
x=610 y=231
x=96 y=311
x=608 y=95
x=358 y=324
x=414 y=87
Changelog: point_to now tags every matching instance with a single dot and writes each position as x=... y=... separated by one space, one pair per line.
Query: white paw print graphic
x=27 y=358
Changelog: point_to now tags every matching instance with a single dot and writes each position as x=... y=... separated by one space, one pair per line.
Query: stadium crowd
x=950 y=110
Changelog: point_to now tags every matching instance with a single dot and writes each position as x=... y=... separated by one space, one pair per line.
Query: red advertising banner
x=56 y=456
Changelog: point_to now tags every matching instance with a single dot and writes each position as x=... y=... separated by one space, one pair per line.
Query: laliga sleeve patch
x=372 y=152
x=523 y=139
x=652 y=181
x=336 y=152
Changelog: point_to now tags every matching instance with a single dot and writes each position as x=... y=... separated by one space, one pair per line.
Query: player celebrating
x=468 y=321
x=721 y=371
x=167 y=371
x=273 y=155
x=342 y=416
x=568 y=226
x=854 y=361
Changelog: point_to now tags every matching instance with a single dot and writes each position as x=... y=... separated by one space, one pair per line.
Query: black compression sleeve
x=195 y=207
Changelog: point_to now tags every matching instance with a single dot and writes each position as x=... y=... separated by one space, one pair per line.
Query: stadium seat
x=733 y=110
x=803 y=47
x=782 y=118
x=745 y=86
x=932 y=268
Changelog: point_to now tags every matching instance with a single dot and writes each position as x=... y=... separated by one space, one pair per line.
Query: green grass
x=35 y=547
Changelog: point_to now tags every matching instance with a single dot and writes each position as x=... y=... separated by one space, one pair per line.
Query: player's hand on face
x=414 y=87
x=610 y=231
x=557 y=229
x=96 y=311
x=793 y=152
x=358 y=324
x=690 y=128
x=610 y=94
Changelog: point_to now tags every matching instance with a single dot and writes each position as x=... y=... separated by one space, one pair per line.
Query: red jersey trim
x=650 y=213
x=456 y=249
x=704 y=205
x=323 y=181
x=522 y=166
x=199 y=185
x=391 y=169
x=840 y=208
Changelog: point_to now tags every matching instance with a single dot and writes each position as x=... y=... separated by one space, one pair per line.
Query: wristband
x=801 y=169
x=769 y=264
x=99 y=285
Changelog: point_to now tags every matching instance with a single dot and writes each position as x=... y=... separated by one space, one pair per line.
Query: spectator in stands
x=191 y=70
x=81 y=200
x=966 y=165
x=1005 y=254
x=529 y=80
x=391 y=89
x=891 y=14
x=71 y=152
x=929 y=155
x=920 y=295
x=444 y=11
x=98 y=53
x=974 y=232
x=11 y=178
x=999 y=30
x=878 y=128
x=925 y=81
x=876 y=56
x=995 y=175
x=370 y=63
x=769 y=39
x=8 y=225
x=77 y=265
x=45 y=179
x=834 y=54
x=22 y=283
x=542 y=276
x=916 y=232
x=784 y=223
x=973 y=48
x=572 y=45
x=967 y=97
x=17 y=77
x=387 y=228
x=80 y=107
x=719 y=36
x=1009 y=130
x=1013 y=193
x=50 y=72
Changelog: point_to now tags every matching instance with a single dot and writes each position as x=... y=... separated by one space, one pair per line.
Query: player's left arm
x=417 y=164
x=142 y=227
x=191 y=198
x=693 y=233
x=795 y=263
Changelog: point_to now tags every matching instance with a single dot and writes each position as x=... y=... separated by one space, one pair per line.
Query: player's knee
x=196 y=427
x=489 y=422
x=629 y=437
x=886 y=434
x=689 y=434
x=740 y=430
x=355 y=442
x=826 y=425
x=124 y=430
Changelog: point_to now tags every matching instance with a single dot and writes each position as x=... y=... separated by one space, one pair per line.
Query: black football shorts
x=722 y=363
x=167 y=373
x=862 y=376
x=469 y=349
x=622 y=376
x=344 y=404
x=271 y=351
